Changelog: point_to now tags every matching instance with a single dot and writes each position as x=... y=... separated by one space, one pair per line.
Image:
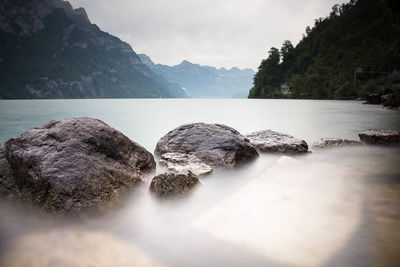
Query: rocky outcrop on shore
x=67 y=165
x=381 y=137
x=183 y=163
x=73 y=164
x=391 y=101
x=388 y=98
x=276 y=142
x=172 y=184
x=328 y=143
x=216 y=145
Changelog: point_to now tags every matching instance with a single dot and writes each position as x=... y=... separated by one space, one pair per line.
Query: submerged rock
x=170 y=184
x=327 y=143
x=66 y=165
x=380 y=137
x=215 y=144
x=183 y=163
x=271 y=141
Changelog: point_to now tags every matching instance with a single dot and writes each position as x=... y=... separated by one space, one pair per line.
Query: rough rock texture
x=71 y=164
x=170 y=184
x=183 y=163
x=380 y=137
x=391 y=101
x=327 y=143
x=7 y=181
x=215 y=144
x=270 y=141
x=388 y=98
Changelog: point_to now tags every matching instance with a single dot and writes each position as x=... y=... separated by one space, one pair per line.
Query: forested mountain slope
x=362 y=36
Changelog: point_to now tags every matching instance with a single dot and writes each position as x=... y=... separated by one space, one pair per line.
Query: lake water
x=332 y=208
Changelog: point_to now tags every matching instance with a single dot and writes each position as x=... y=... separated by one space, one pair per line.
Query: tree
x=361 y=33
x=286 y=49
x=268 y=77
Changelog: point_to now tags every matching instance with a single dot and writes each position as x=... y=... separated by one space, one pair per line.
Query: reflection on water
x=303 y=207
x=73 y=247
x=331 y=208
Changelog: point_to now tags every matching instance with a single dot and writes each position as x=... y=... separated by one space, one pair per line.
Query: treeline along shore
x=351 y=54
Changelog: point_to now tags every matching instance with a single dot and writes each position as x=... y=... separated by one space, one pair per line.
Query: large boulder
x=328 y=143
x=172 y=184
x=276 y=142
x=215 y=144
x=380 y=137
x=183 y=163
x=66 y=165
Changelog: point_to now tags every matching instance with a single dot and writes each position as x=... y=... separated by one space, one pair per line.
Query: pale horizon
x=212 y=33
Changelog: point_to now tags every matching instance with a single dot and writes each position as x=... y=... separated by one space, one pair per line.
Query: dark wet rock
x=7 y=181
x=71 y=164
x=275 y=142
x=388 y=98
x=215 y=144
x=170 y=184
x=183 y=163
x=373 y=98
x=380 y=137
x=391 y=101
x=328 y=143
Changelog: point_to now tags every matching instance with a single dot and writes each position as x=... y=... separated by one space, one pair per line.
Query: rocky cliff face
x=205 y=81
x=50 y=50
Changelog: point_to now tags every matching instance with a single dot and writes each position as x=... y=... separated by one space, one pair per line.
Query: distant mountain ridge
x=50 y=50
x=205 y=81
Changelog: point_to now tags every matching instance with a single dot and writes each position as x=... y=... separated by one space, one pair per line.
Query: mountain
x=50 y=50
x=355 y=50
x=205 y=81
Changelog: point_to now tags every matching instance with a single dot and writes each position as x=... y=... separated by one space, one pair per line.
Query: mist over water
x=330 y=208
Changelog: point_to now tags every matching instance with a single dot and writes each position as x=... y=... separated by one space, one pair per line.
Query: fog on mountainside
x=205 y=81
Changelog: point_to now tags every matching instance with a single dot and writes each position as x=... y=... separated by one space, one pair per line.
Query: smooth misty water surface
x=331 y=208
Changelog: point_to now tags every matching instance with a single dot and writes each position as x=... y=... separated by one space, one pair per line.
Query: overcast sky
x=220 y=33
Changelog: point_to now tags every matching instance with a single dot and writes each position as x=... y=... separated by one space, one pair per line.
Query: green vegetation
x=360 y=34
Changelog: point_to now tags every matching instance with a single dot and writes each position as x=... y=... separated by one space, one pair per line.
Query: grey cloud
x=210 y=32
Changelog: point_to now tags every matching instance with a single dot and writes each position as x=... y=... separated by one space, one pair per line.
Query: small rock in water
x=327 y=143
x=70 y=164
x=171 y=184
x=276 y=142
x=183 y=163
x=215 y=144
x=381 y=137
